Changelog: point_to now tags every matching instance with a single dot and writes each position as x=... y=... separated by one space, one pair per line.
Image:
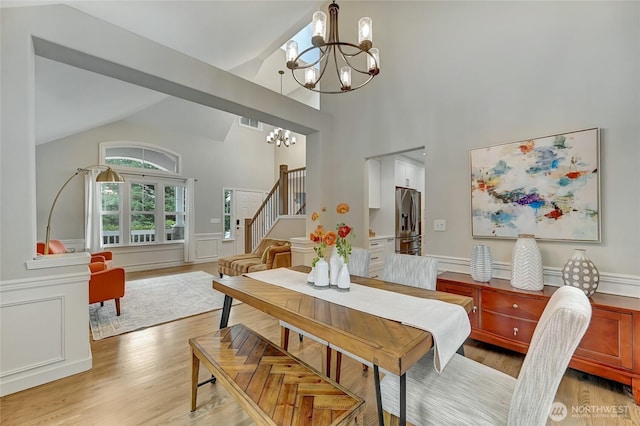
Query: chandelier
x=279 y=136
x=348 y=59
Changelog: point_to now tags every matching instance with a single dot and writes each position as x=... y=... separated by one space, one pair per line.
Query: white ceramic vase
x=322 y=274
x=481 y=263
x=579 y=271
x=344 y=278
x=312 y=275
x=526 y=264
x=335 y=263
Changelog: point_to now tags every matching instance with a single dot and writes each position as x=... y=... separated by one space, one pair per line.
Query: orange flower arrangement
x=321 y=237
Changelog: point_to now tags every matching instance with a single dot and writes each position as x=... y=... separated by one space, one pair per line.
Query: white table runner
x=448 y=323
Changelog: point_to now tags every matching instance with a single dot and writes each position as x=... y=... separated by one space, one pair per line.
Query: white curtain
x=91 y=212
x=189 y=240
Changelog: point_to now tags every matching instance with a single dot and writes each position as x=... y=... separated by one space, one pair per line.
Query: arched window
x=150 y=206
x=140 y=155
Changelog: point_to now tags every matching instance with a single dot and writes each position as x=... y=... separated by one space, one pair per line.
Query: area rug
x=153 y=301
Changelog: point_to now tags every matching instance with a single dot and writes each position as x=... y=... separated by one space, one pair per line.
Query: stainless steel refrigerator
x=408 y=221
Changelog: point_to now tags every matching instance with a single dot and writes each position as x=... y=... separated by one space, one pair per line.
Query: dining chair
x=416 y=271
x=358 y=265
x=468 y=392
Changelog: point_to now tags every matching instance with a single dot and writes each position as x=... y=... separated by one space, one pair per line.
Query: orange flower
x=342 y=208
x=330 y=238
x=315 y=216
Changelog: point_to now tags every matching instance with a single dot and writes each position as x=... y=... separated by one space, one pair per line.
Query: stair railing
x=286 y=197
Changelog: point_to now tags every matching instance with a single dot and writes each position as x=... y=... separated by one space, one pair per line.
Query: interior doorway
x=245 y=206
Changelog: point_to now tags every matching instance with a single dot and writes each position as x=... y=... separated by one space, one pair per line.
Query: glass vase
x=526 y=264
x=579 y=271
x=481 y=263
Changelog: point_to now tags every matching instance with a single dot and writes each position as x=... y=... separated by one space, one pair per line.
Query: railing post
x=284 y=190
x=247 y=235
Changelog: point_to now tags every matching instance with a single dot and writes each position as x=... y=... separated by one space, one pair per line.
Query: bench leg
x=376 y=380
x=195 y=369
x=284 y=338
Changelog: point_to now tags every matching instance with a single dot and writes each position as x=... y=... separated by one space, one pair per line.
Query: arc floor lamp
x=107 y=175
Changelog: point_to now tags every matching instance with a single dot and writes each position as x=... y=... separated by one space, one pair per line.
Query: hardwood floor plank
x=143 y=377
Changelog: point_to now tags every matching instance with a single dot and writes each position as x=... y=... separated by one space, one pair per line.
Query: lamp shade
x=109 y=176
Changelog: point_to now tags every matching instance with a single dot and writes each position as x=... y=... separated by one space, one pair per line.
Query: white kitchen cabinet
x=409 y=175
x=374 y=183
x=379 y=248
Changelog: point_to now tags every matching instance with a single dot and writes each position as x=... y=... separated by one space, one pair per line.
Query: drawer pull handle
x=474 y=309
x=515 y=306
x=375 y=258
x=515 y=331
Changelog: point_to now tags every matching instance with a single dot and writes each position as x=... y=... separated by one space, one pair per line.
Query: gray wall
x=460 y=75
x=243 y=160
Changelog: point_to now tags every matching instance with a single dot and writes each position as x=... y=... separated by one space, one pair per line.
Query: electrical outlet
x=440 y=225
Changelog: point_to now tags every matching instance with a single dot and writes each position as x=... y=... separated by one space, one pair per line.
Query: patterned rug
x=154 y=301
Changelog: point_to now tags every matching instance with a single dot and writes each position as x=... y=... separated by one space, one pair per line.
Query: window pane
x=227 y=227
x=174 y=227
x=174 y=199
x=143 y=228
x=110 y=229
x=227 y=202
x=143 y=197
x=110 y=199
x=141 y=158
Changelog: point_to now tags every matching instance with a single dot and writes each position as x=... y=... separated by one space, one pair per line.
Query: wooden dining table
x=386 y=343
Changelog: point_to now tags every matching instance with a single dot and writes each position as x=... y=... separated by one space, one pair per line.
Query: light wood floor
x=143 y=378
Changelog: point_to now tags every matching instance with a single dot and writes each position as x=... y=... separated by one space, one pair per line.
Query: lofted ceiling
x=242 y=37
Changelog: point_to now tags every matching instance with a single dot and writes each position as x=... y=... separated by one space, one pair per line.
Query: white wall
x=460 y=75
x=25 y=283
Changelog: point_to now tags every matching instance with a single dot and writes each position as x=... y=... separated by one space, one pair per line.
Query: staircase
x=287 y=197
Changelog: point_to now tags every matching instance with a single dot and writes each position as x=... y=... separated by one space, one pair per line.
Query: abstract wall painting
x=549 y=187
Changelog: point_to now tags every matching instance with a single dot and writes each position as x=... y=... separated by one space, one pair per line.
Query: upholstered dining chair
x=416 y=271
x=470 y=393
x=358 y=265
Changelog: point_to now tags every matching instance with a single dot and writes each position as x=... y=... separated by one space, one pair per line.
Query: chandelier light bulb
x=319 y=25
x=373 y=61
x=345 y=78
x=291 y=49
x=310 y=78
x=365 y=33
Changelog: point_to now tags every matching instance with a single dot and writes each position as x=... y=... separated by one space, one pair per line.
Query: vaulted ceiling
x=242 y=37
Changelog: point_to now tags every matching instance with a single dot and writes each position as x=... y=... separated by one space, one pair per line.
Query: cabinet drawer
x=608 y=339
x=508 y=327
x=463 y=291
x=513 y=305
x=375 y=272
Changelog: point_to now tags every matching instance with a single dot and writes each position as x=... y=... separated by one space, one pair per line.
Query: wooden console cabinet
x=506 y=316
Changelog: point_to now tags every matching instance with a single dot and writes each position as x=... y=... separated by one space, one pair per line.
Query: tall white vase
x=322 y=274
x=481 y=263
x=579 y=271
x=344 y=278
x=335 y=263
x=526 y=264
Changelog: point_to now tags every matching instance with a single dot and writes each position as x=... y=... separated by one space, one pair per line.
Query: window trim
x=103 y=146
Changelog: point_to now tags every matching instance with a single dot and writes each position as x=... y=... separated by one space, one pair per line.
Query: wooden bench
x=273 y=386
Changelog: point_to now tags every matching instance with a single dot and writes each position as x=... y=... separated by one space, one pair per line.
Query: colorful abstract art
x=549 y=187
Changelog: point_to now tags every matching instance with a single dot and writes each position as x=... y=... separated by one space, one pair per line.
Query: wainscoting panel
x=45 y=324
x=207 y=247
x=19 y=354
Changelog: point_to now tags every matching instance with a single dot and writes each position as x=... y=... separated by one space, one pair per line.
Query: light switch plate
x=440 y=225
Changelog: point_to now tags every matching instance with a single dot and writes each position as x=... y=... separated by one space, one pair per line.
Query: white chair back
x=359 y=262
x=558 y=332
x=416 y=271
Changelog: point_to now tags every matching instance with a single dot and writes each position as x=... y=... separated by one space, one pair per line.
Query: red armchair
x=56 y=247
x=106 y=284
